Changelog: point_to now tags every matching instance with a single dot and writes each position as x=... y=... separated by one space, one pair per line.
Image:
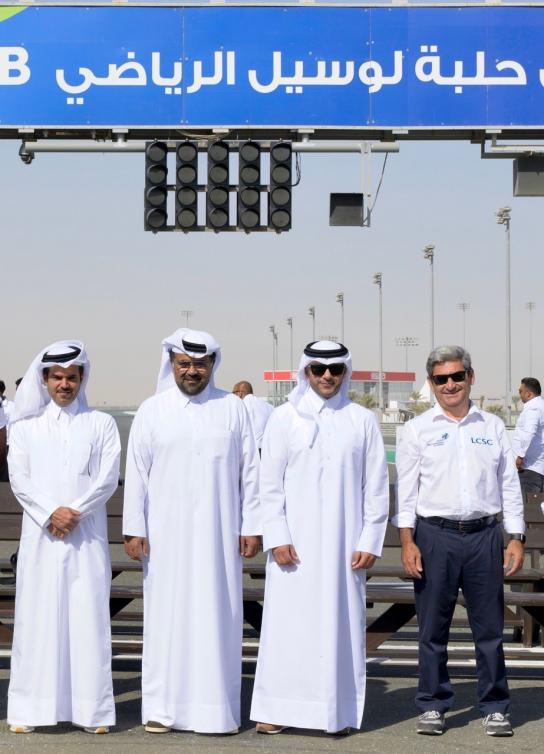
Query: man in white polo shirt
x=456 y=473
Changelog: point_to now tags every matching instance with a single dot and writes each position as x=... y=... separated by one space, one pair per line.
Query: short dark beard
x=197 y=387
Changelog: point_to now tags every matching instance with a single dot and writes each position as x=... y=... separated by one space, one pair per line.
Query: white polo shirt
x=459 y=470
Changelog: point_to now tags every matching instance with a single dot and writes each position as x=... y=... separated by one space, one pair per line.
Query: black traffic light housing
x=186 y=185
x=279 y=198
x=156 y=186
x=217 y=195
x=249 y=186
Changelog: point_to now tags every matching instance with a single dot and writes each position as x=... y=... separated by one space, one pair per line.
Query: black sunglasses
x=441 y=379
x=318 y=370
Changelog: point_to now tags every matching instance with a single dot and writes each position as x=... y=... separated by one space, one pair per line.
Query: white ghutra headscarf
x=322 y=352
x=32 y=396
x=196 y=344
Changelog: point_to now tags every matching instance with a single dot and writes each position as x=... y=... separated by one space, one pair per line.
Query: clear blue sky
x=77 y=263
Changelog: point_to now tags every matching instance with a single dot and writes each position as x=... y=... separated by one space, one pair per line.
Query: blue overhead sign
x=265 y=66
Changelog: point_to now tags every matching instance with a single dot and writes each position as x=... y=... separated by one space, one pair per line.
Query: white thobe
x=328 y=500
x=259 y=413
x=191 y=488
x=61 y=655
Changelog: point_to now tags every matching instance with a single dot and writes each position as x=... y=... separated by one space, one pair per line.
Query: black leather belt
x=465 y=527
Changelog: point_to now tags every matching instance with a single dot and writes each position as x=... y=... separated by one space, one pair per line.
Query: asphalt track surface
x=388 y=724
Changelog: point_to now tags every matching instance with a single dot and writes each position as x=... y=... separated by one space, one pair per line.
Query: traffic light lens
x=156 y=196
x=187 y=152
x=156 y=219
x=186 y=197
x=218 y=174
x=156 y=174
x=250 y=174
x=281 y=152
x=218 y=196
x=186 y=174
x=280 y=218
x=280 y=197
x=249 y=197
x=249 y=218
x=186 y=218
x=249 y=152
x=281 y=174
x=156 y=151
x=218 y=152
x=218 y=218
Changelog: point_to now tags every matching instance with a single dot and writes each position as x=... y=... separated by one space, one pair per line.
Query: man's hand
x=362 y=560
x=411 y=559
x=513 y=557
x=285 y=555
x=65 y=519
x=249 y=546
x=55 y=532
x=137 y=547
x=519 y=463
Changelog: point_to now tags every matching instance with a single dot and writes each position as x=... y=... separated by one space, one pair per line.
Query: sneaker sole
x=500 y=734
x=430 y=732
x=149 y=729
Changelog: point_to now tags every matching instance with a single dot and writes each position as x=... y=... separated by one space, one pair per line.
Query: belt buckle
x=463 y=528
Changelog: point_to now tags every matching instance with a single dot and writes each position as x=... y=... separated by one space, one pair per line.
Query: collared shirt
x=459 y=470
x=3 y=419
x=317 y=404
x=528 y=439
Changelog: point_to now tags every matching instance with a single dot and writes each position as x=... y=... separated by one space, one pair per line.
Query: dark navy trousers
x=473 y=563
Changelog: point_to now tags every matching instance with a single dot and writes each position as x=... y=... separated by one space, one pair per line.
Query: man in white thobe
x=191 y=512
x=325 y=502
x=64 y=467
x=259 y=411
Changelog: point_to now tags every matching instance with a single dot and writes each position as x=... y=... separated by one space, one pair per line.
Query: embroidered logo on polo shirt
x=481 y=441
x=440 y=441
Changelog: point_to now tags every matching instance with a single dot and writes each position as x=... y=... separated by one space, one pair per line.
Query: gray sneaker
x=431 y=723
x=497 y=724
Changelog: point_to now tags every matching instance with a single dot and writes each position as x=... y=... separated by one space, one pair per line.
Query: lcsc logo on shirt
x=440 y=441
x=481 y=441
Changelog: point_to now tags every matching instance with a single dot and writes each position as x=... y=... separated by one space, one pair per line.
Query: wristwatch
x=519 y=537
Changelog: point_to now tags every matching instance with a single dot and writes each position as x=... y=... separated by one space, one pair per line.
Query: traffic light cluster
x=255 y=200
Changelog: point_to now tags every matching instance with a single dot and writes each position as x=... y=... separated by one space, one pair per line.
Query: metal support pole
x=290 y=326
x=464 y=306
x=530 y=306
x=428 y=253
x=311 y=312
x=406 y=342
x=272 y=329
x=186 y=313
x=378 y=282
x=340 y=300
x=118 y=146
x=503 y=218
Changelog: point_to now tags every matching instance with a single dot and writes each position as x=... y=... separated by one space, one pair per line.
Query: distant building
x=396 y=386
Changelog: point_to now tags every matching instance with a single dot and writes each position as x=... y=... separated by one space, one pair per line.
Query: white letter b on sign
x=13 y=65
